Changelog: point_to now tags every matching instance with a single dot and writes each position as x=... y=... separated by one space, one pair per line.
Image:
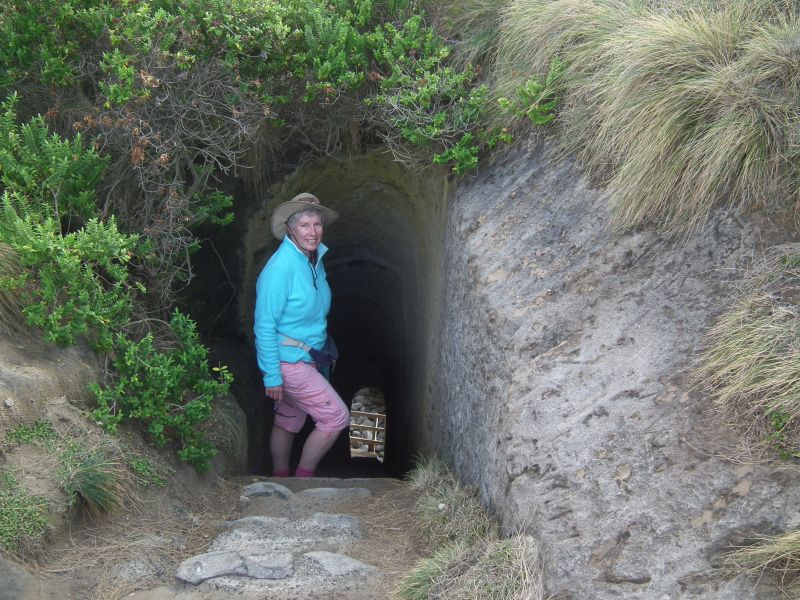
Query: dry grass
x=387 y=517
x=751 y=364
x=446 y=511
x=778 y=556
x=467 y=558
x=679 y=107
x=138 y=549
x=502 y=569
x=472 y=26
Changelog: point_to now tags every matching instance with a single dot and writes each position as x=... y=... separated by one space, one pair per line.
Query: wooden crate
x=376 y=425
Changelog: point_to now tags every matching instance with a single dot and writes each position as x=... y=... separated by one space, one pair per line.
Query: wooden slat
x=358 y=413
x=366 y=440
x=369 y=427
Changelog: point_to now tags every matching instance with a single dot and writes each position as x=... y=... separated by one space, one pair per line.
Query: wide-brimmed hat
x=300 y=202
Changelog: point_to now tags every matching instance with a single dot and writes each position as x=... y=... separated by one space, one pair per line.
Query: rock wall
x=564 y=389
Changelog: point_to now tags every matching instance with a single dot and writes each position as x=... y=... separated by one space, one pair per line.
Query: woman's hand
x=276 y=393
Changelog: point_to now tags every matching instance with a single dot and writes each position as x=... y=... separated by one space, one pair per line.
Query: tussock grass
x=679 y=107
x=777 y=555
x=751 y=364
x=499 y=569
x=89 y=469
x=474 y=25
x=468 y=560
x=446 y=510
x=12 y=320
x=95 y=479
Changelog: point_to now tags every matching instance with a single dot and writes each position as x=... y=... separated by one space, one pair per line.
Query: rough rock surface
x=299 y=554
x=17 y=584
x=564 y=391
x=34 y=374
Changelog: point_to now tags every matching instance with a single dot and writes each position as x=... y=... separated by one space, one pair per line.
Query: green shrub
x=168 y=390
x=75 y=280
x=56 y=177
x=22 y=516
x=535 y=99
x=75 y=284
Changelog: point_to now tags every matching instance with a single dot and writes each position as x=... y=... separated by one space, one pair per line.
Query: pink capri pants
x=307 y=392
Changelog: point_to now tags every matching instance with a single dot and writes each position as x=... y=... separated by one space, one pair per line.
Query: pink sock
x=303 y=473
x=281 y=473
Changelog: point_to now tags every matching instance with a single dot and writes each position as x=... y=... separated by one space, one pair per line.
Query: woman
x=292 y=304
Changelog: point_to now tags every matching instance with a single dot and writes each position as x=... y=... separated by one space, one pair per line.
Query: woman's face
x=307 y=232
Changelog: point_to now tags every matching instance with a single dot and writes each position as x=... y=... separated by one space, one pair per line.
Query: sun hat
x=300 y=202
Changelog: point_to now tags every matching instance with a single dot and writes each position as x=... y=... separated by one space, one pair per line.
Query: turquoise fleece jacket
x=290 y=303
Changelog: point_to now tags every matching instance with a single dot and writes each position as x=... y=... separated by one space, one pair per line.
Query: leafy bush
x=166 y=389
x=78 y=282
x=12 y=319
x=536 y=99
x=146 y=473
x=57 y=177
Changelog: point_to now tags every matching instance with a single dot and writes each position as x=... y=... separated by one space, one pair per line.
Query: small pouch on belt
x=324 y=358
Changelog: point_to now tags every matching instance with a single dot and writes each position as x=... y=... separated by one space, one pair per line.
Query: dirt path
x=137 y=554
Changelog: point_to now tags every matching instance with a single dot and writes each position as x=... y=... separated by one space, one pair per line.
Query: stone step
x=285 y=546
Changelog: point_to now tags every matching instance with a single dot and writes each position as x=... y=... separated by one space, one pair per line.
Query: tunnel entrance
x=385 y=270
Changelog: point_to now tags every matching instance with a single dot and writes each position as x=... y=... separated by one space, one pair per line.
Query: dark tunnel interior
x=384 y=269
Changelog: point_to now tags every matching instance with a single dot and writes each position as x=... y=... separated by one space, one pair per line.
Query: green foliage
x=300 y=50
x=434 y=106
x=168 y=390
x=26 y=434
x=57 y=177
x=12 y=319
x=146 y=473
x=22 y=515
x=74 y=283
x=78 y=283
x=119 y=85
x=535 y=99
x=212 y=207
